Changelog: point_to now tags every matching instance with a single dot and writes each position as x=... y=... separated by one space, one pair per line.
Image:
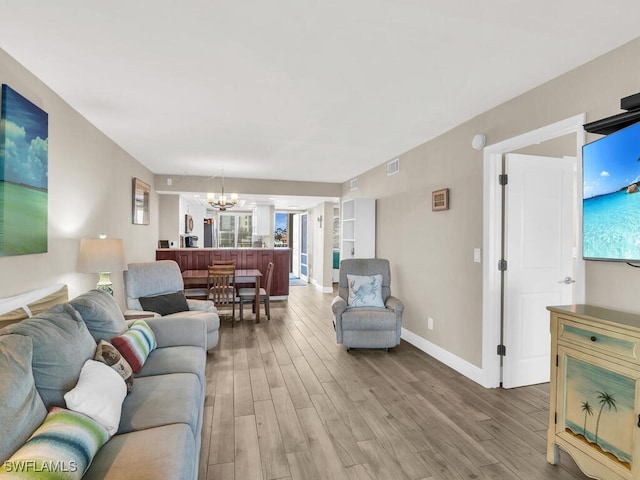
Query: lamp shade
x=99 y=255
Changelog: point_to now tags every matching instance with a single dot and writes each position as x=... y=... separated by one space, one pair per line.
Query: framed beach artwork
x=24 y=168
x=141 y=196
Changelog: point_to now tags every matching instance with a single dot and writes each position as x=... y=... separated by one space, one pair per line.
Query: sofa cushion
x=165 y=304
x=164 y=452
x=66 y=441
x=162 y=400
x=61 y=345
x=101 y=313
x=98 y=394
x=179 y=359
x=136 y=344
x=22 y=410
x=369 y=318
x=109 y=355
x=365 y=291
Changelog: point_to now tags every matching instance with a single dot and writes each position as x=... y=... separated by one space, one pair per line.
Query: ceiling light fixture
x=222 y=203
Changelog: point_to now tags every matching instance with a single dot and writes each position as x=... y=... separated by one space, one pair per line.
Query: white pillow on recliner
x=365 y=291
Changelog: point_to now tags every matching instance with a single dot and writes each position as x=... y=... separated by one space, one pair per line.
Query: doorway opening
x=493 y=236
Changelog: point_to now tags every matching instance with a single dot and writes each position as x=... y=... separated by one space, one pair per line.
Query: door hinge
x=502 y=350
x=503 y=179
x=555 y=418
x=502 y=265
x=557 y=360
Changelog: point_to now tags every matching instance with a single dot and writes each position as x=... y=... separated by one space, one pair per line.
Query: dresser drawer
x=606 y=341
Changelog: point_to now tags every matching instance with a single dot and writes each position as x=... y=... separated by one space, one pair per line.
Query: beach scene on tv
x=23 y=175
x=611 y=196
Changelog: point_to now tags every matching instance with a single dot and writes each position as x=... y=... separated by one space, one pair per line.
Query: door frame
x=492 y=233
x=295 y=244
x=304 y=244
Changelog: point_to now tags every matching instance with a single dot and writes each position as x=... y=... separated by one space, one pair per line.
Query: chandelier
x=222 y=203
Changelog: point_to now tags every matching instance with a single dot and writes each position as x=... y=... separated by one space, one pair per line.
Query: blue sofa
x=159 y=434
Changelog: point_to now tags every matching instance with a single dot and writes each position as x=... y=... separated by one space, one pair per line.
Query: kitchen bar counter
x=247 y=258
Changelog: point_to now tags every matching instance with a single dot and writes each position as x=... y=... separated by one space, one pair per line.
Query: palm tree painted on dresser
x=588 y=410
x=605 y=399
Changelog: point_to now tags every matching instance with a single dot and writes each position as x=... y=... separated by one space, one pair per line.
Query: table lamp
x=102 y=256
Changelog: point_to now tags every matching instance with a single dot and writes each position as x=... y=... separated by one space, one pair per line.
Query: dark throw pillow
x=165 y=304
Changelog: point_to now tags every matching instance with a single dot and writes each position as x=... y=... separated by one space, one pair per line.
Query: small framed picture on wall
x=440 y=200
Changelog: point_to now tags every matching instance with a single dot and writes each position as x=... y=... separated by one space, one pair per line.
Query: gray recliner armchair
x=163 y=278
x=359 y=323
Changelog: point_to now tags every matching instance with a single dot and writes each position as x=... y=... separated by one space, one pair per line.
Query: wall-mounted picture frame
x=440 y=200
x=141 y=197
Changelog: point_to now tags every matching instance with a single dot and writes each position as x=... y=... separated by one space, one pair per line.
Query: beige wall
x=89 y=193
x=169 y=218
x=431 y=253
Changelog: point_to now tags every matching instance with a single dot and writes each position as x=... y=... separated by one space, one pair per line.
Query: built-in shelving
x=358 y=228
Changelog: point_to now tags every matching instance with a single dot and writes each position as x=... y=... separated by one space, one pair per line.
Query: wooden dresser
x=594 y=409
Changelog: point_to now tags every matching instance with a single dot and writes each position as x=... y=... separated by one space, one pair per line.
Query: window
x=280 y=237
x=235 y=230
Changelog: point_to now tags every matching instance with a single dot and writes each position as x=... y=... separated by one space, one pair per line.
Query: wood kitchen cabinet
x=594 y=410
x=200 y=258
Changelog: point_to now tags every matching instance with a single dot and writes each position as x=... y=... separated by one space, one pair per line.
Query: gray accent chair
x=367 y=327
x=150 y=279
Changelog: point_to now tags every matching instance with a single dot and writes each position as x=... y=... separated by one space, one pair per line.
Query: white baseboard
x=458 y=364
x=320 y=288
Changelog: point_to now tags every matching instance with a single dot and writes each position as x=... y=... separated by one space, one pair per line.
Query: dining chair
x=250 y=293
x=225 y=262
x=221 y=281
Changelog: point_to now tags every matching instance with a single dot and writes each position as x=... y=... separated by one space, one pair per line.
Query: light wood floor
x=284 y=401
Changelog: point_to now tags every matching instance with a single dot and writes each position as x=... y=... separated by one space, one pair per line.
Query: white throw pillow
x=365 y=291
x=98 y=394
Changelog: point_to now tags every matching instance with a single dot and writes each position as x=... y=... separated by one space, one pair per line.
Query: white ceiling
x=294 y=89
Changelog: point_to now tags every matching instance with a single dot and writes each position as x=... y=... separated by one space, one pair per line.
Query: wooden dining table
x=243 y=275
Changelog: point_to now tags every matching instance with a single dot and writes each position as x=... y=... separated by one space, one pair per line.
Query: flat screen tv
x=611 y=197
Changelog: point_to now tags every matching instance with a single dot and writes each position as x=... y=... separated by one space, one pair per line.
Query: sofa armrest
x=394 y=304
x=178 y=331
x=338 y=306
x=139 y=314
x=201 y=305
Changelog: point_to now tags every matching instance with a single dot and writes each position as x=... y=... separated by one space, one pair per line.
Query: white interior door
x=540 y=247
x=295 y=246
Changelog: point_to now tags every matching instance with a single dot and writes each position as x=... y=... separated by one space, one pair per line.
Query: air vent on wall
x=354 y=184
x=393 y=166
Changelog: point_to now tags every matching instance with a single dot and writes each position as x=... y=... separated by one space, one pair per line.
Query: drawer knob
x=593 y=339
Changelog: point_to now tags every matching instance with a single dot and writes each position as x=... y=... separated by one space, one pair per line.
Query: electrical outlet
x=430 y=323
x=477 y=255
